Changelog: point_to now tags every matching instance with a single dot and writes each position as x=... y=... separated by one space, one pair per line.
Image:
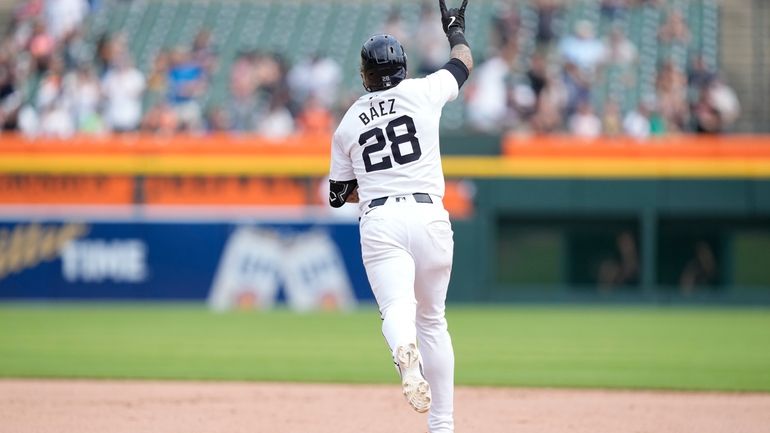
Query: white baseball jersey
x=389 y=141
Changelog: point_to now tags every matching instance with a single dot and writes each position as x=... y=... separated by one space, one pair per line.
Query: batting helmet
x=383 y=63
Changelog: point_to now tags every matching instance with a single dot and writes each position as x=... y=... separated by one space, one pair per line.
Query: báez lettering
x=383 y=108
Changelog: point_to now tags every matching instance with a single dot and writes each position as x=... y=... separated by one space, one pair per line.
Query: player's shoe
x=415 y=387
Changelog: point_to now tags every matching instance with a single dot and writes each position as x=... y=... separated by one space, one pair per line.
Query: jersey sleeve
x=442 y=87
x=341 y=164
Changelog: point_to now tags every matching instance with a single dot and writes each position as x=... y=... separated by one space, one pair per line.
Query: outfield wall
x=545 y=218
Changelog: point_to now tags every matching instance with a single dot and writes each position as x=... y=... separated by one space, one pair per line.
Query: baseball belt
x=419 y=197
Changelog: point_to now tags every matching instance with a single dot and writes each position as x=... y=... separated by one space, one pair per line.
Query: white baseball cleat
x=415 y=387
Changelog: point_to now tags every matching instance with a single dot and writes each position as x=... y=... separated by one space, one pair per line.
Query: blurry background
x=603 y=150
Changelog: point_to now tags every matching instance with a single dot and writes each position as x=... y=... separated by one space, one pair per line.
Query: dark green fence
x=615 y=240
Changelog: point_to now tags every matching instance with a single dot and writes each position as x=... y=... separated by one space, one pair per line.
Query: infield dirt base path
x=60 y=406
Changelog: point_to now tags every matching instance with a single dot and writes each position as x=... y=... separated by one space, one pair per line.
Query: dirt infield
x=38 y=406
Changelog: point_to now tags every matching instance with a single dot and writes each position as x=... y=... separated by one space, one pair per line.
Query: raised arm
x=453 y=21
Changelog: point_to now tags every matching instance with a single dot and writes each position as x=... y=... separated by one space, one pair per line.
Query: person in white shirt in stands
x=62 y=16
x=487 y=107
x=636 y=124
x=123 y=86
x=56 y=121
x=585 y=123
x=327 y=77
x=583 y=48
x=276 y=122
x=82 y=90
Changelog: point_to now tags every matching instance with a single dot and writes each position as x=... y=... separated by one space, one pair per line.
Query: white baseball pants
x=407 y=250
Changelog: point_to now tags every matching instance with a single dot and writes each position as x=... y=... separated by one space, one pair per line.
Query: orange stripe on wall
x=683 y=146
x=140 y=144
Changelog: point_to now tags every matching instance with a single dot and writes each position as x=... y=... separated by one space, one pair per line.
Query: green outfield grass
x=617 y=347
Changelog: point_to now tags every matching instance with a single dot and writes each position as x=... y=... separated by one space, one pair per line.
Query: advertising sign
x=231 y=265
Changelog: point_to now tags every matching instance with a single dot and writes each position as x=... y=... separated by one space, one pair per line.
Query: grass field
x=608 y=347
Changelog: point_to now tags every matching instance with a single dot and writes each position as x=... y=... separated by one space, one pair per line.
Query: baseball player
x=385 y=156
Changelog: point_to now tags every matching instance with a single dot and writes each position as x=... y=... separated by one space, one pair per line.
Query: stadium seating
x=297 y=28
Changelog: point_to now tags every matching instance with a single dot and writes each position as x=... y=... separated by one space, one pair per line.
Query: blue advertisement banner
x=77 y=260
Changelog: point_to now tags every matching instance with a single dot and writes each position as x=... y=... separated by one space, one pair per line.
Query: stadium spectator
x=242 y=111
x=716 y=109
x=50 y=114
x=706 y=116
x=218 y=120
x=203 y=52
x=701 y=270
x=583 y=48
x=50 y=86
x=620 y=50
x=674 y=29
x=577 y=87
x=658 y=123
x=505 y=28
x=63 y=16
x=585 y=123
x=538 y=74
x=487 y=97
x=612 y=119
x=314 y=116
x=10 y=99
x=41 y=46
x=257 y=80
x=723 y=98
x=270 y=73
x=157 y=78
x=523 y=102
x=699 y=76
x=81 y=89
x=109 y=49
x=55 y=120
x=186 y=77
x=75 y=51
x=316 y=75
x=671 y=97
x=28 y=121
x=242 y=105
x=243 y=80
x=277 y=122
x=160 y=119
x=550 y=105
x=29 y=10
x=548 y=12
x=187 y=82
x=430 y=45
x=123 y=86
x=622 y=268
x=636 y=123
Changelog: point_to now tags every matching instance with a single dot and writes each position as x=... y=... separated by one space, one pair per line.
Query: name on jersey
x=385 y=108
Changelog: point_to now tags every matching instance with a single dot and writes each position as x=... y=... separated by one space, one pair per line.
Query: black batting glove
x=453 y=19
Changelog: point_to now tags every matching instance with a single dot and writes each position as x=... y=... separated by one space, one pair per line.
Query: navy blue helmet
x=383 y=63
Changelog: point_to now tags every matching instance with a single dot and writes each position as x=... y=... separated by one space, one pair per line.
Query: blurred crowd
x=53 y=83
x=556 y=88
